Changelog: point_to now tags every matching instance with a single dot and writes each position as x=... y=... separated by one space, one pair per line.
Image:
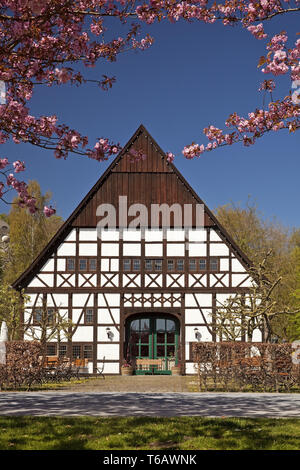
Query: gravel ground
x=139 y=383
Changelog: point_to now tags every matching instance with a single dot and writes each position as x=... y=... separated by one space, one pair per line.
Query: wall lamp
x=110 y=334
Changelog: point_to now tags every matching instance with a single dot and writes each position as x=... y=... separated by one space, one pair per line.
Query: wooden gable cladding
x=140 y=188
x=154 y=161
x=149 y=180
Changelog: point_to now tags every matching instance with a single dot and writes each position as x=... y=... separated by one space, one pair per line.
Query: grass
x=138 y=433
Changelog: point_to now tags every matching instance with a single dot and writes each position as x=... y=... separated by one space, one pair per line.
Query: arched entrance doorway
x=153 y=337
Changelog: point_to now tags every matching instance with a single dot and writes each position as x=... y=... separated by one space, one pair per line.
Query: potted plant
x=126 y=368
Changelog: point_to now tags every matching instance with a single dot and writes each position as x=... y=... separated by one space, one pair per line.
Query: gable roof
x=124 y=174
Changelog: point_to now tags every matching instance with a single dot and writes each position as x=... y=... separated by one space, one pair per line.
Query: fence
x=241 y=366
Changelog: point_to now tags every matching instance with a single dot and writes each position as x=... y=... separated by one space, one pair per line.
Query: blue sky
x=193 y=76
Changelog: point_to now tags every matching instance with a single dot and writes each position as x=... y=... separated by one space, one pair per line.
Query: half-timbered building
x=136 y=287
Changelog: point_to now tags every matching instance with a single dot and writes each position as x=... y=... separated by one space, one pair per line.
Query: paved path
x=150 y=404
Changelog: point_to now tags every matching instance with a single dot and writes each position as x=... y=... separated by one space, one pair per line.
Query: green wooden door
x=153 y=338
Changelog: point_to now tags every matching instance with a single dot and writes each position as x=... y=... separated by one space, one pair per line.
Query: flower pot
x=176 y=370
x=126 y=370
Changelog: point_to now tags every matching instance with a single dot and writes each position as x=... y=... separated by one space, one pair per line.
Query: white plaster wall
x=111 y=368
x=79 y=300
x=132 y=249
x=109 y=351
x=109 y=235
x=175 y=235
x=88 y=249
x=175 y=249
x=218 y=249
x=204 y=300
x=197 y=249
x=83 y=334
x=153 y=235
x=224 y=264
x=72 y=236
x=236 y=279
x=113 y=300
x=61 y=264
x=199 y=235
x=236 y=266
x=109 y=249
x=193 y=315
x=214 y=237
x=153 y=249
x=66 y=249
x=88 y=234
x=36 y=283
x=132 y=235
x=105 y=317
x=49 y=266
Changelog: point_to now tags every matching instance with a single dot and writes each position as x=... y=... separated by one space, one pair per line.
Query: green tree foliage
x=29 y=233
x=257 y=237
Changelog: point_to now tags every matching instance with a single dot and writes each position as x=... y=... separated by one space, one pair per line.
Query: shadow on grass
x=185 y=433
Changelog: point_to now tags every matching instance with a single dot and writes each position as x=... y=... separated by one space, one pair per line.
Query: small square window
x=170 y=265
x=93 y=265
x=136 y=265
x=202 y=264
x=158 y=264
x=71 y=264
x=148 y=264
x=192 y=264
x=180 y=264
x=213 y=264
x=126 y=264
x=82 y=265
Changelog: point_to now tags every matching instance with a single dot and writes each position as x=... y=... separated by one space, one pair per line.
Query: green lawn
x=186 y=433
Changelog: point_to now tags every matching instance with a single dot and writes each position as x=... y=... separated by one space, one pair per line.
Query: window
x=202 y=264
x=158 y=264
x=148 y=264
x=51 y=350
x=50 y=315
x=93 y=264
x=88 y=351
x=37 y=315
x=126 y=264
x=62 y=350
x=170 y=265
x=76 y=351
x=89 y=315
x=192 y=264
x=213 y=263
x=70 y=264
x=180 y=265
x=82 y=265
x=136 y=265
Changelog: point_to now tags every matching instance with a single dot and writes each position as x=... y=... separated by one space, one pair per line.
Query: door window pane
x=160 y=325
x=160 y=337
x=145 y=350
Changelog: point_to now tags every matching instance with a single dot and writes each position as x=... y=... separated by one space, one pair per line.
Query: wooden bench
x=147 y=364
